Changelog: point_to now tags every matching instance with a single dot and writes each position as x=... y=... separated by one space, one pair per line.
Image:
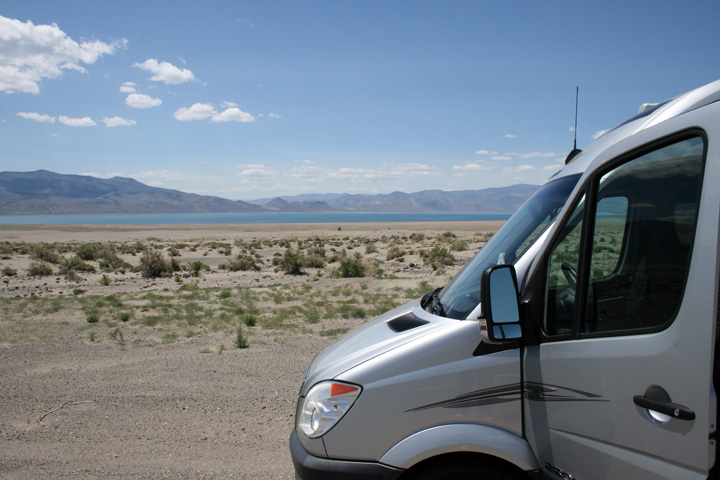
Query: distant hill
x=47 y=193
x=489 y=200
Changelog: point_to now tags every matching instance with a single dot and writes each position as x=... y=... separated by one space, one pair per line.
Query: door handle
x=674 y=410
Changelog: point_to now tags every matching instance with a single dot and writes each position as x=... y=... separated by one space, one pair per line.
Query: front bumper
x=309 y=467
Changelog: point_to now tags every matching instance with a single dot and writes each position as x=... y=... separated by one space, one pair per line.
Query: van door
x=619 y=386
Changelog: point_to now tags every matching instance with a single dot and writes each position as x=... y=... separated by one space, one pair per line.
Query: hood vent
x=405 y=322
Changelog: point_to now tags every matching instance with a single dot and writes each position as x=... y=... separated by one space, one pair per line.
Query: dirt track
x=76 y=410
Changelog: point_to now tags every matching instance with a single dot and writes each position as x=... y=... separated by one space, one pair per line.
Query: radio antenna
x=575 y=150
x=577 y=91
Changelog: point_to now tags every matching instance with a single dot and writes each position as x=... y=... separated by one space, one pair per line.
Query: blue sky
x=255 y=99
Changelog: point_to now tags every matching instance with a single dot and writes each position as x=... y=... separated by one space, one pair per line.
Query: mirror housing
x=501 y=309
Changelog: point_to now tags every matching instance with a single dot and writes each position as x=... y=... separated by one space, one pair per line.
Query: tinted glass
x=643 y=227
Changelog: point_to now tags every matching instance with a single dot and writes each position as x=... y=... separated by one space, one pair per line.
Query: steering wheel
x=570 y=274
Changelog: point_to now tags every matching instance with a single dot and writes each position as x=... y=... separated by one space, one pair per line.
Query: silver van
x=577 y=344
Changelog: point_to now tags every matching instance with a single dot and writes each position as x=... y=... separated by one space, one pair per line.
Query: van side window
x=610 y=221
x=641 y=236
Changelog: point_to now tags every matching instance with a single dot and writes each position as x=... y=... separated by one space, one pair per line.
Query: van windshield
x=462 y=294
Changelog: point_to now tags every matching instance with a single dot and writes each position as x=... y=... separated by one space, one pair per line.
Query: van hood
x=389 y=331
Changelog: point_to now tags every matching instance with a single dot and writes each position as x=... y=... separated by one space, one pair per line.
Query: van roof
x=657 y=113
x=648 y=116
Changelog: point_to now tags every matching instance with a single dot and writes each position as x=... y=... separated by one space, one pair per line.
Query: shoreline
x=108 y=232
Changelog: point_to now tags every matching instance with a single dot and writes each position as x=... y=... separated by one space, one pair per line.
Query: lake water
x=240 y=218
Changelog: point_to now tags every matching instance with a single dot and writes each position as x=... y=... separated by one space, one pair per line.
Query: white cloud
x=313 y=174
x=599 y=134
x=473 y=167
x=30 y=53
x=353 y=174
x=201 y=111
x=38 y=117
x=165 y=72
x=118 y=122
x=485 y=152
x=510 y=135
x=520 y=168
x=274 y=115
x=501 y=157
x=198 y=111
x=233 y=114
x=227 y=104
x=140 y=100
x=77 y=122
x=257 y=170
x=410 y=169
x=531 y=155
x=128 y=87
x=308 y=173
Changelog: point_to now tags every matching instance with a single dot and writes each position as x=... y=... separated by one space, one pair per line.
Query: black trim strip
x=537 y=392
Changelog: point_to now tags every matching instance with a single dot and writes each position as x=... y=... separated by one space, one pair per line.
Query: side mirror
x=501 y=312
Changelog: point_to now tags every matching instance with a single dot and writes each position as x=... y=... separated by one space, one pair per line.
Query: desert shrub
x=438 y=257
x=447 y=237
x=93 y=318
x=9 y=272
x=417 y=237
x=45 y=253
x=69 y=274
x=132 y=248
x=314 y=257
x=154 y=265
x=241 y=340
x=459 y=245
x=109 y=261
x=351 y=267
x=197 y=267
x=242 y=262
x=105 y=280
x=371 y=248
x=70 y=268
x=39 y=269
x=87 y=251
x=78 y=264
x=249 y=319
x=312 y=315
x=117 y=335
x=292 y=262
x=175 y=265
x=315 y=251
x=394 y=252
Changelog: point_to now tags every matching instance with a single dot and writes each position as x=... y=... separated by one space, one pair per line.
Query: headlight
x=324 y=406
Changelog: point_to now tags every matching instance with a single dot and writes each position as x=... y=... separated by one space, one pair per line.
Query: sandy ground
x=174 y=398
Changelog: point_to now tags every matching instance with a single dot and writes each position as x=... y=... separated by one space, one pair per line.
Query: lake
x=240 y=218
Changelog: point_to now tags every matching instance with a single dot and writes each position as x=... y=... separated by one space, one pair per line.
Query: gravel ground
x=76 y=402
x=70 y=409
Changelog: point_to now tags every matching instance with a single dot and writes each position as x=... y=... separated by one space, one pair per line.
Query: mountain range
x=48 y=193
